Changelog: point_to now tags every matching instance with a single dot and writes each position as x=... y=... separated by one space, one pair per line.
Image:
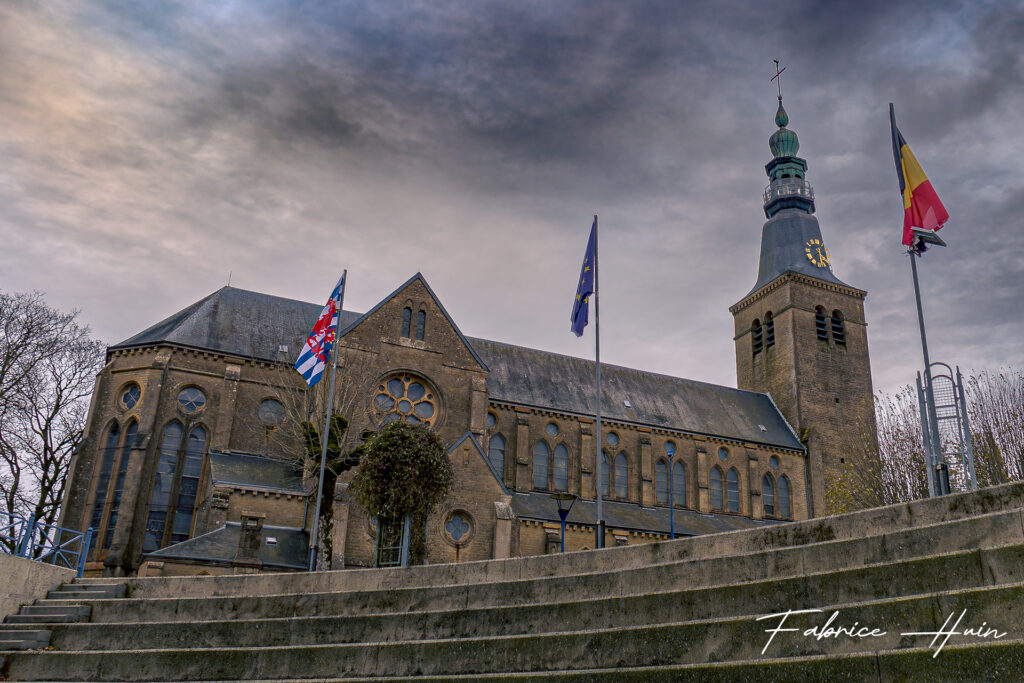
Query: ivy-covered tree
x=404 y=472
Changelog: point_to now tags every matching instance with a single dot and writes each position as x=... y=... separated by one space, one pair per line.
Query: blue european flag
x=581 y=305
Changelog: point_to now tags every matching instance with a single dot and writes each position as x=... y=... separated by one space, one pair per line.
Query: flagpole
x=934 y=448
x=599 y=531
x=325 y=436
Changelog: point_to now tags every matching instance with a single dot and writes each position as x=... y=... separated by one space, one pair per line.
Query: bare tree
x=892 y=471
x=297 y=437
x=995 y=406
x=48 y=364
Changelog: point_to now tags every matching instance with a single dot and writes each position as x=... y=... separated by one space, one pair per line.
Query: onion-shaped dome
x=783 y=142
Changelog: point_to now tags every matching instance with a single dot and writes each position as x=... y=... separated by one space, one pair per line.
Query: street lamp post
x=563 y=509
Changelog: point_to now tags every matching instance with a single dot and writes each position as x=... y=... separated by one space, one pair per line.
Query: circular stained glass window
x=491 y=420
x=459 y=527
x=551 y=429
x=405 y=397
x=613 y=439
x=773 y=462
x=723 y=454
x=191 y=399
x=270 y=412
x=131 y=396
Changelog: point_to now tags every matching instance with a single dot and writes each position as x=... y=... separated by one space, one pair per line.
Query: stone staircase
x=675 y=610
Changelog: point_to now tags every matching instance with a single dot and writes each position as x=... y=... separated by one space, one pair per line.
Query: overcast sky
x=146 y=152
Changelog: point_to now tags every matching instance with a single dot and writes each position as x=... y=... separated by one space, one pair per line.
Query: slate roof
x=619 y=515
x=237 y=322
x=220 y=545
x=255 y=471
x=564 y=383
x=782 y=249
x=240 y=322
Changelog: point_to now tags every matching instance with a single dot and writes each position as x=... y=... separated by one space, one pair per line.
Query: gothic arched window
x=172 y=503
x=421 y=323
x=122 y=471
x=679 y=484
x=784 y=510
x=838 y=331
x=188 y=485
x=560 y=475
x=103 y=478
x=406 y=321
x=496 y=454
x=820 y=323
x=769 y=330
x=756 y=336
x=661 y=482
x=732 y=485
x=163 y=486
x=716 y=488
x=621 y=476
x=768 y=496
x=541 y=456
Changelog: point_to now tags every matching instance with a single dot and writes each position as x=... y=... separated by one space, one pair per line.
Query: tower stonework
x=800 y=333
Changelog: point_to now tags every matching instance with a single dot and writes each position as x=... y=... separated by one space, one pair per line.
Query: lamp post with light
x=563 y=509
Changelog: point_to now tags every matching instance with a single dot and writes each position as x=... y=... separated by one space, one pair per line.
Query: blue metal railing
x=44 y=542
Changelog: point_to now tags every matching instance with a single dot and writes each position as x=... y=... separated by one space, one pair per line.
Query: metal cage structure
x=946 y=429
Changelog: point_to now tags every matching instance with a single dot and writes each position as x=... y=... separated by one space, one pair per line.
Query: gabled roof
x=237 y=322
x=220 y=545
x=480 y=451
x=345 y=329
x=563 y=383
x=620 y=515
x=255 y=471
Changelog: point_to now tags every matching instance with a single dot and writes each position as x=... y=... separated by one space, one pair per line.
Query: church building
x=182 y=469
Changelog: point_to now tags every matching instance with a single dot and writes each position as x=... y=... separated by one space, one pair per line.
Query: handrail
x=42 y=542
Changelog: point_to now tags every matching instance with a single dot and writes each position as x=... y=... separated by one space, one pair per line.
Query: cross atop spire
x=778 y=77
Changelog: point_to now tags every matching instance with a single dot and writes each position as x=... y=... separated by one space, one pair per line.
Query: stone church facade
x=183 y=469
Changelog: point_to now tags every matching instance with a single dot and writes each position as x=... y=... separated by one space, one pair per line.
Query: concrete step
x=963 y=569
x=57 y=610
x=24 y=639
x=613 y=612
x=85 y=595
x=74 y=591
x=741 y=639
x=876 y=522
x=44 y=618
x=1001 y=661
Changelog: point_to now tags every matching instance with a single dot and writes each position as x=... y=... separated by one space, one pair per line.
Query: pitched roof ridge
x=612 y=366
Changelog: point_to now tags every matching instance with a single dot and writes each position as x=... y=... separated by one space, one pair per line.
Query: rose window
x=405 y=397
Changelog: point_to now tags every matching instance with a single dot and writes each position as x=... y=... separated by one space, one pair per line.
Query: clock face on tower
x=817 y=253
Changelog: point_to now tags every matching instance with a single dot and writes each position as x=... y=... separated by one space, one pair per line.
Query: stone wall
x=22 y=581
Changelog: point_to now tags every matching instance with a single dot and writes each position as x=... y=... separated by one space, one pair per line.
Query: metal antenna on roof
x=229 y=278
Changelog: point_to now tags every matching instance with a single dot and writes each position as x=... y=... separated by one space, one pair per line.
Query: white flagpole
x=599 y=531
x=325 y=436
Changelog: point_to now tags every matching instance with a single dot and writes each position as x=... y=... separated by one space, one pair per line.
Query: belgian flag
x=921 y=206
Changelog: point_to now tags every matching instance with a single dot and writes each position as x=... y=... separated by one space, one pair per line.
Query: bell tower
x=800 y=333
